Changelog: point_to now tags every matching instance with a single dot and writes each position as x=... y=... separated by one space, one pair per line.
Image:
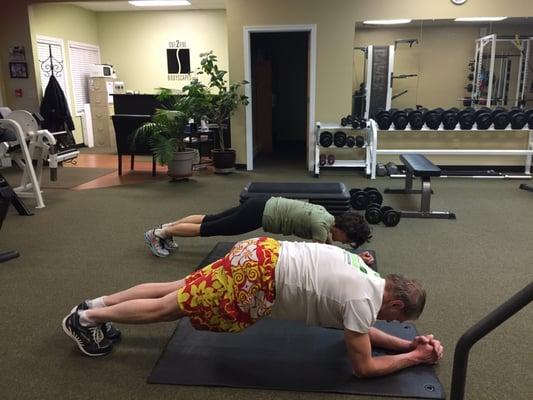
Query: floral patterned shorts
x=235 y=291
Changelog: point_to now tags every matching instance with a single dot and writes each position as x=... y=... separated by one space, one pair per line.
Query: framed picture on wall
x=18 y=70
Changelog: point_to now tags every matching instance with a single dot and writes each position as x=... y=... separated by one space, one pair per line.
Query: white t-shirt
x=327 y=286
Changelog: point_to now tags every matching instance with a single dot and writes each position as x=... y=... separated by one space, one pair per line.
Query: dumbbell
x=375 y=214
x=529 y=115
x=400 y=120
x=359 y=141
x=384 y=120
x=466 y=118
x=326 y=139
x=469 y=88
x=519 y=120
x=416 y=120
x=381 y=170
x=350 y=141
x=500 y=118
x=392 y=169
x=331 y=159
x=362 y=123
x=322 y=160
x=470 y=77
x=344 y=121
x=449 y=118
x=433 y=119
x=360 y=199
x=483 y=118
x=339 y=139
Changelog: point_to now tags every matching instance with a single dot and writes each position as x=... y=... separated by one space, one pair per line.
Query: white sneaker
x=154 y=243
x=168 y=242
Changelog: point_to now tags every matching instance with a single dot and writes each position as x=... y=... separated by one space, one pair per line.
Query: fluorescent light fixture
x=387 y=22
x=159 y=3
x=479 y=19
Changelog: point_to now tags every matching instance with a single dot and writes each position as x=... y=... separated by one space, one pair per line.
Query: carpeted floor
x=89 y=243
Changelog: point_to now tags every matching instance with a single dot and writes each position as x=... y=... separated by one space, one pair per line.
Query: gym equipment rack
x=357 y=162
x=373 y=151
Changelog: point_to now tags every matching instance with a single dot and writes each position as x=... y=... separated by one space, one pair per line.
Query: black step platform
x=333 y=196
x=283 y=355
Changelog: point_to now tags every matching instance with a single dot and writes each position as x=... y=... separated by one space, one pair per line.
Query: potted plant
x=165 y=134
x=219 y=103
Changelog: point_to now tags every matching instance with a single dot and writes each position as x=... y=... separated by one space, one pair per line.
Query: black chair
x=125 y=125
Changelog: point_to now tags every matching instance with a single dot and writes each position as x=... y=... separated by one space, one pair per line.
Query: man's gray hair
x=410 y=291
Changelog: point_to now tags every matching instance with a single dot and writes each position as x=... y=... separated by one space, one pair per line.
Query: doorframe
x=247 y=32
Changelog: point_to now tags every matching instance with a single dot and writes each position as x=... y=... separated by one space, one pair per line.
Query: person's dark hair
x=355 y=227
x=410 y=291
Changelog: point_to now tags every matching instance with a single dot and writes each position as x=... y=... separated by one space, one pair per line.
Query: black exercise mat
x=222 y=248
x=283 y=355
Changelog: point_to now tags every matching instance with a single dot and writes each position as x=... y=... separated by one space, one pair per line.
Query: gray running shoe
x=168 y=242
x=155 y=244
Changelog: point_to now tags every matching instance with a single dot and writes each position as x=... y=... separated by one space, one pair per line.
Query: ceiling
x=107 y=6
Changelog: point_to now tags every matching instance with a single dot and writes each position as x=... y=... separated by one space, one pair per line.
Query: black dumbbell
x=350 y=141
x=359 y=141
x=349 y=119
x=322 y=160
x=519 y=120
x=374 y=196
x=356 y=123
x=466 y=118
x=432 y=119
x=529 y=114
x=384 y=120
x=326 y=139
x=416 y=120
x=483 y=119
x=500 y=118
x=344 y=122
x=449 y=119
x=359 y=199
x=469 y=88
x=400 y=120
x=374 y=214
x=339 y=139
x=390 y=216
x=331 y=159
x=362 y=123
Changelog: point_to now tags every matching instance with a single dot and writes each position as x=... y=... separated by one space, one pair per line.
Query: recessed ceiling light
x=159 y=3
x=387 y=22
x=479 y=19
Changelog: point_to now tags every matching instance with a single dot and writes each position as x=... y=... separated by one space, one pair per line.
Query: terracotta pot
x=181 y=166
x=223 y=161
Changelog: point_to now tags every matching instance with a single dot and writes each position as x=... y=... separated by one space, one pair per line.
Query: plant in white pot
x=165 y=134
x=220 y=102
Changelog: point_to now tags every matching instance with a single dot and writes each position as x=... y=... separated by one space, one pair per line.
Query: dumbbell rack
x=349 y=163
x=374 y=151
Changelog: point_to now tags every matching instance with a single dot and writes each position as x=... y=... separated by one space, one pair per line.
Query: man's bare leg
x=143 y=291
x=138 y=311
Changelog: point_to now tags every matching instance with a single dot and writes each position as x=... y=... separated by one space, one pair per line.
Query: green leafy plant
x=165 y=133
x=220 y=100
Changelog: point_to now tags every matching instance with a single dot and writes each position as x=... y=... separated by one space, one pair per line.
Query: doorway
x=280 y=65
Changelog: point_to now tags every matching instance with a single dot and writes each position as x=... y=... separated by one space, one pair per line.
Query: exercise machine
x=23 y=142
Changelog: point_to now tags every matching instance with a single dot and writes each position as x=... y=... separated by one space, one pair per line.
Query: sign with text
x=178 y=61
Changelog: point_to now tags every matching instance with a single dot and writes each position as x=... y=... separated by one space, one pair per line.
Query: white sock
x=167 y=225
x=97 y=303
x=84 y=321
x=160 y=233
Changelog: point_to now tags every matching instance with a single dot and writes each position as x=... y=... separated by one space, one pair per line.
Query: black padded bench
x=333 y=196
x=416 y=165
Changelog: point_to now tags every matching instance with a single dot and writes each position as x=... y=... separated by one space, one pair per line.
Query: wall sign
x=18 y=70
x=178 y=61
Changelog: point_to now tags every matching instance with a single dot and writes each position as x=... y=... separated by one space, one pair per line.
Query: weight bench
x=333 y=196
x=416 y=165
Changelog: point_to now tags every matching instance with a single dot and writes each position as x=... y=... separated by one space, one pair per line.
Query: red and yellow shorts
x=235 y=291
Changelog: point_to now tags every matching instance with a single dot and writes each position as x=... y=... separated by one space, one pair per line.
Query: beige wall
x=49 y=20
x=136 y=42
x=335 y=22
